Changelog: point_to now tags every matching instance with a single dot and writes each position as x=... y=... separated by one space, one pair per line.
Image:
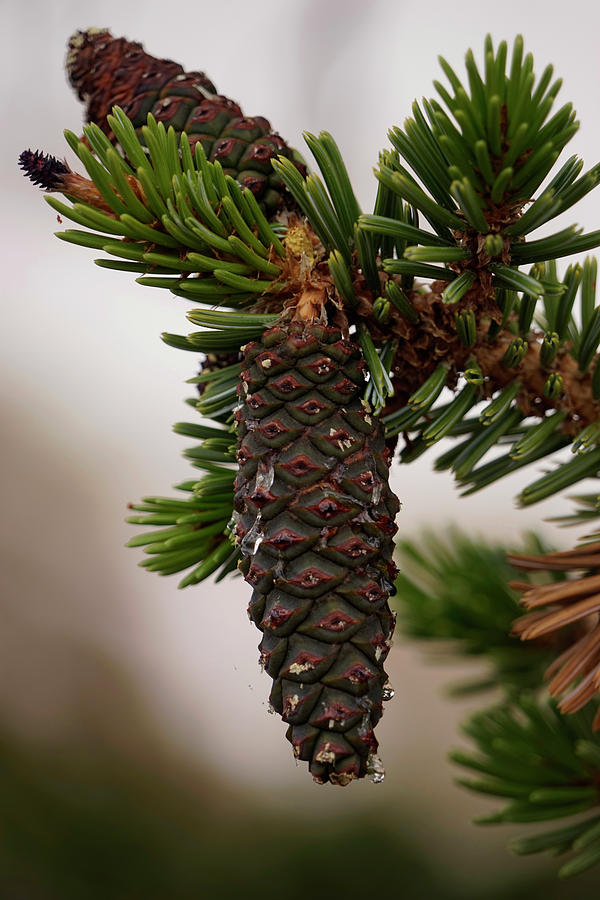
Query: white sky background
x=88 y=390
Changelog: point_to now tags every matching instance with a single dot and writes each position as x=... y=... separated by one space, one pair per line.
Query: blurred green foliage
x=91 y=824
x=453 y=593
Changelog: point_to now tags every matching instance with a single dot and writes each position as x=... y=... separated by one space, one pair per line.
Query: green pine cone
x=107 y=71
x=315 y=521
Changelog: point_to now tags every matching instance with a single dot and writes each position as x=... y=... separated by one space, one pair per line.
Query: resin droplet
x=235 y=518
x=388 y=691
x=375 y=769
x=376 y=495
x=253 y=539
x=264 y=476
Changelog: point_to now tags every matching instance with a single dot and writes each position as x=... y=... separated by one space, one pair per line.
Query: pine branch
x=214 y=242
x=547 y=766
x=482 y=218
x=221 y=256
x=337 y=340
x=572 y=606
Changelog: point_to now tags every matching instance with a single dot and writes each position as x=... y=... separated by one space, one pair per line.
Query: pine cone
x=107 y=71
x=315 y=521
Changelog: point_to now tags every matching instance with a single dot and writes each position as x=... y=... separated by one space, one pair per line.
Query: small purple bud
x=43 y=169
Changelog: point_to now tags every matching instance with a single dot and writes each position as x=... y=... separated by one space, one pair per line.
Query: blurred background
x=137 y=758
